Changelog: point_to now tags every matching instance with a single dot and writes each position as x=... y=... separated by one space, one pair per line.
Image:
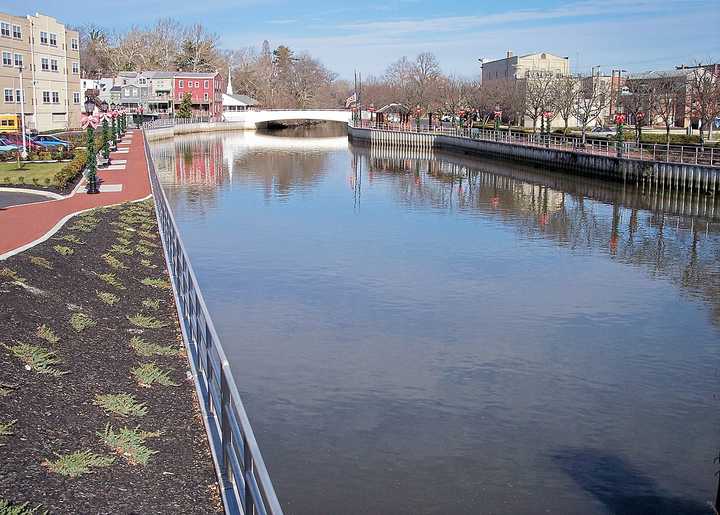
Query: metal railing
x=658 y=152
x=171 y=122
x=244 y=481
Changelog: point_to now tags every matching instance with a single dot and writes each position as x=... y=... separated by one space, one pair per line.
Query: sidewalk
x=126 y=179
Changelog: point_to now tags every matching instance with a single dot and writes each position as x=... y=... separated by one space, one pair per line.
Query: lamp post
x=90 y=121
x=105 y=132
x=418 y=113
x=114 y=129
x=371 y=109
x=619 y=138
x=548 y=116
x=498 y=116
x=24 y=153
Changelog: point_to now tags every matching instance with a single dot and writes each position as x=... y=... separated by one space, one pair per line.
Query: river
x=417 y=332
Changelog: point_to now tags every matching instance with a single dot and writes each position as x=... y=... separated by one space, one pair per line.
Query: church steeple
x=229 y=86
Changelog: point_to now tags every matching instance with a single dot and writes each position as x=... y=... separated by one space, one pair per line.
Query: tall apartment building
x=46 y=56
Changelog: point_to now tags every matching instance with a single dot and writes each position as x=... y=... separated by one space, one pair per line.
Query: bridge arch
x=251 y=119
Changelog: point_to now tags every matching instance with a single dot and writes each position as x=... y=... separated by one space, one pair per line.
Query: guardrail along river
x=416 y=332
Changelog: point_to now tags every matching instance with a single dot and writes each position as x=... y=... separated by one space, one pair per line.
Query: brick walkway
x=126 y=179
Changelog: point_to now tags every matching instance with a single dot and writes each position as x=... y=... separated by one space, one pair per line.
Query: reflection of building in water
x=660 y=232
x=199 y=161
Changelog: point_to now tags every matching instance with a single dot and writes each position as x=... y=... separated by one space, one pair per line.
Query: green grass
x=147 y=263
x=123 y=241
x=157 y=283
x=147 y=349
x=63 y=250
x=81 y=321
x=41 y=262
x=146 y=321
x=30 y=171
x=8 y=508
x=150 y=244
x=122 y=404
x=148 y=374
x=129 y=443
x=107 y=297
x=113 y=261
x=36 y=358
x=47 y=334
x=147 y=235
x=111 y=280
x=78 y=463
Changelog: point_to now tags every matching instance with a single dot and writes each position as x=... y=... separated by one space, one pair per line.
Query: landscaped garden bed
x=56 y=176
x=98 y=413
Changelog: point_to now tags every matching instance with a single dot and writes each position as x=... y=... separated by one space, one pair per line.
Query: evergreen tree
x=185 y=109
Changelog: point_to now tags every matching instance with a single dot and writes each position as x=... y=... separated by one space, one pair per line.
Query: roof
x=195 y=75
x=115 y=88
x=241 y=99
x=660 y=74
x=524 y=56
x=393 y=108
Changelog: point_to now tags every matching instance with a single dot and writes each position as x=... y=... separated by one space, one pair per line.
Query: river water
x=418 y=332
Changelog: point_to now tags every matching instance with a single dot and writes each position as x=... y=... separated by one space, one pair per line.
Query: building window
x=181 y=84
x=74 y=44
x=8 y=95
x=18 y=96
x=53 y=65
x=76 y=97
x=46 y=97
x=53 y=39
x=197 y=84
x=7 y=59
x=206 y=84
x=126 y=93
x=17 y=32
x=142 y=82
x=76 y=68
x=18 y=60
x=55 y=97
x=43 y=38
x=5 y=29
x=207 y=97
x=45 y=64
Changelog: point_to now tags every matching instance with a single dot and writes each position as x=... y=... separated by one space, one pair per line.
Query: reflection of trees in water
x=280 y=171
x=665 y=233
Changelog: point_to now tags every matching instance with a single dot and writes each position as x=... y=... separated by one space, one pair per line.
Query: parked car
x=603 y=132
x=51 y=142
x=16 y=139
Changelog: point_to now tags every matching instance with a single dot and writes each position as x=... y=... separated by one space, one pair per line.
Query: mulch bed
x=56 y=415
x=53 y=189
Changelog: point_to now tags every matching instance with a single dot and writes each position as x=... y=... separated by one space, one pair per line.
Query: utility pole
x=22 y=114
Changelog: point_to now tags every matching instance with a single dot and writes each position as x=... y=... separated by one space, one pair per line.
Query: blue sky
x=636 y=35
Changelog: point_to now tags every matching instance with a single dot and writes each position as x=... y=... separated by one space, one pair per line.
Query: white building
x=233 y=103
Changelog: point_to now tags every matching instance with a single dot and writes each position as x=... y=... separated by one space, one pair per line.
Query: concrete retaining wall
x=191 y=128
x=672 y=175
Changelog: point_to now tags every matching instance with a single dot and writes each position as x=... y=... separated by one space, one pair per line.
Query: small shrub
x=71 y=170
x=6 y=180
x=144 y=250
x=47 y=334
x=121 y=249
x=6 y=430
x=157 y=283
x=149 y=244
x=129 y=443
x=151 y=303
x=80 y=322
x=148 y=374
x=36 y=181
x=12 y=274
x=21 y=179
x=107 y=297
x=78 y=463
x=7 y=508
x=122 y=404
x=147 y=235
x=147 y=263
x=63 y=250
x=41 y=262
x=147 y=349
x=111 y=280
x=146 y=322
x=71 y=238
x=113 y=261
x=36 y=358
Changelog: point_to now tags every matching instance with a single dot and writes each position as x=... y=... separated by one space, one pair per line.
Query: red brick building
x=206 y=91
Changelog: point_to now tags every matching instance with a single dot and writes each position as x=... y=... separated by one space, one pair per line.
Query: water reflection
x=423 y=333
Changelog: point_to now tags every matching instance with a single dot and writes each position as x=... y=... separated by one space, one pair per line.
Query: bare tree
x=198 y=50
x=540 y=95
x=639 y=98
x=704 y=90
x=425 y=80
x=566 y=91
x=670 y=93
x=592 y=98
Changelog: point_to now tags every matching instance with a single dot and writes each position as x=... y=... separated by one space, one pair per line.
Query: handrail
x=245 y=483
x=658 y=152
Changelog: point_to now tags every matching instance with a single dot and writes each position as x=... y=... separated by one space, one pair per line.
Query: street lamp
x=619 y=121
x=90 y=121
x=24 y=153
x=548 y=116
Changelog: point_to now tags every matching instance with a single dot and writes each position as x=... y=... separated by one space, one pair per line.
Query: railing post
x=249 y=507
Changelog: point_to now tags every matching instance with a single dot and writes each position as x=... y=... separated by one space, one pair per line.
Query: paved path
x=126 y=179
